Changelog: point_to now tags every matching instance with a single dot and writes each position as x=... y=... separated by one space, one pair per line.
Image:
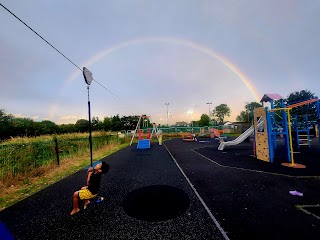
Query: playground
x=180 y=190
x=203 y=188
x=250 y=197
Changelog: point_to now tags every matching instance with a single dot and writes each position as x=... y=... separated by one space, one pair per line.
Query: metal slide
x=241 y=138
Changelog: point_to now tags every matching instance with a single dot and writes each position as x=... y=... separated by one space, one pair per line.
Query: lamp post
x=247 y=111
x=88 y=79
x=189 y=113
x=167 y=113
x=209 y=103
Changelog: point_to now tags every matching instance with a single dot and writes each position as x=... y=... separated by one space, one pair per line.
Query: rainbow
x=178 y=41
x=187 y=43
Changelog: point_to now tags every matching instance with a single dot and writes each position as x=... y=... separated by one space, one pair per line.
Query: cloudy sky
x=146 y=53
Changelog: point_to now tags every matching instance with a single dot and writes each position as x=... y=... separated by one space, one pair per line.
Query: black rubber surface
x=45 y=215
x=241 y=156
x=156 y=203
x=249 y=199
x=249 y=203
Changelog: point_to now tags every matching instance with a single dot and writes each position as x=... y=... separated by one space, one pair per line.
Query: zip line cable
x=40 y=36
x=56 y=49
x=109 y=91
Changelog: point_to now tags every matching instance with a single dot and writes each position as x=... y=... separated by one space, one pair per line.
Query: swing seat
x=188 y=139
x=144 y=144
x=96 y=199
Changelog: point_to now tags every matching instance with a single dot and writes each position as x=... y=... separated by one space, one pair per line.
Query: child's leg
x=86 y=201
x=75 y=203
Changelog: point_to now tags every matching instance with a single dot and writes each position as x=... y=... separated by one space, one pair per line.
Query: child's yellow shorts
x=86 y=194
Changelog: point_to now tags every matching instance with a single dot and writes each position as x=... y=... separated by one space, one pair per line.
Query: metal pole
x=290 y=137
x=90 y=135
x=167 y=113
x=209 y=103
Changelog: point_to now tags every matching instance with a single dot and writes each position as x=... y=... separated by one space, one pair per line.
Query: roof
x=271 y=96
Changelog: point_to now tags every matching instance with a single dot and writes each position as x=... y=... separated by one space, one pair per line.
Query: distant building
x=181 y=124
x=236 y=127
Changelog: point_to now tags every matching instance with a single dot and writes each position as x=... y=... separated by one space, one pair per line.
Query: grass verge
x=52 y=174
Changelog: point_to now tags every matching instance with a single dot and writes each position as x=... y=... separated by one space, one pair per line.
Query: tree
x=116 y=124
x=6 y=127
x=308 y=109
x=82 y=125
x=47 y=127
x=129 y=122
x=220 y=112
x=23 y=126
x=204 y=120
x=107 y=124
x=252 y=105
x=246 y=116
x=67 y=128
x=299 y=96
x=96 y=124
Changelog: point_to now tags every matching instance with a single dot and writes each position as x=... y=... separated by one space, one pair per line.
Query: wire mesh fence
x=16 y=158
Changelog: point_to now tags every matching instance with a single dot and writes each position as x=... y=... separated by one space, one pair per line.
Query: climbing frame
x=261 y=138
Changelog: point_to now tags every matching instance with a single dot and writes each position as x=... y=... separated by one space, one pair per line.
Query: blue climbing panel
x=143 y=144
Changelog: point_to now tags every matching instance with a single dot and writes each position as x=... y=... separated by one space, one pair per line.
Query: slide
x=241 y=138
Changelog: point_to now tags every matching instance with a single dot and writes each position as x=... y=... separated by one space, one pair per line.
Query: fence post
x=57 y=149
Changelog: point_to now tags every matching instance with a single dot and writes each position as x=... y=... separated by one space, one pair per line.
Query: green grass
x=31 y=186
x=24 y=156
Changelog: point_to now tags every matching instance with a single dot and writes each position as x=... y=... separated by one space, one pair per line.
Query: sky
x=167 y=59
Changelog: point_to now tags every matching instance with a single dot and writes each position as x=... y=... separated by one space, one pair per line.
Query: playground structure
x=265 y=138
x=266 y=129
x=218 y=134
x=214 y=133
x=241 y=138
x=144 y=143
x=301 y=124
x=189 y=138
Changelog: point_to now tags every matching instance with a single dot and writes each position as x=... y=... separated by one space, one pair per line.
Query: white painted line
x=251 y=170
x=301 y=207
x=200 y=198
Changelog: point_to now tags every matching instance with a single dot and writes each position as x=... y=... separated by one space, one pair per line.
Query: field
x=30 y=164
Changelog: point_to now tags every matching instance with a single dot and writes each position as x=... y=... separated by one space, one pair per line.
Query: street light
x=247 y=111
x=189 y=113
x=167 y=113
x=209 y=103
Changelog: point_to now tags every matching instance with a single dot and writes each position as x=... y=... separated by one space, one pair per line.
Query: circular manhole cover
x=156 y=203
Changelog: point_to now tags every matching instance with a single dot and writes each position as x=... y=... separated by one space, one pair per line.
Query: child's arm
x=90 y=171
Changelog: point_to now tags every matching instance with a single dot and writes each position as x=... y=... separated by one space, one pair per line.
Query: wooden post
x=56 y=149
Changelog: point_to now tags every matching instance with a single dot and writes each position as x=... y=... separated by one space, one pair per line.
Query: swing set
x=144 y=142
